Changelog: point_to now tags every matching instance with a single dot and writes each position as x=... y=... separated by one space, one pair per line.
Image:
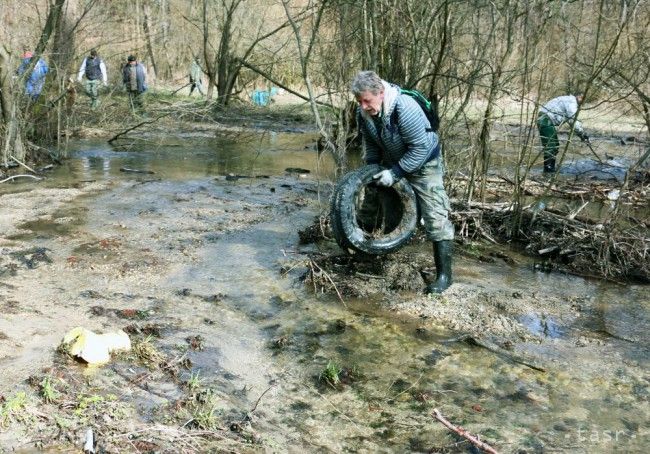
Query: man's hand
x=385 y=178
x=584 y=137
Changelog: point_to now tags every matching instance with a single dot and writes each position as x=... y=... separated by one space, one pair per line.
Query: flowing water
x=395 y=370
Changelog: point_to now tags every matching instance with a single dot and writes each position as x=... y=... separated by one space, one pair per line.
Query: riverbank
x=233 y=349
x=197 y=250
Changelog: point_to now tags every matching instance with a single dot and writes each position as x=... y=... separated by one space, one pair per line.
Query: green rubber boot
x=442 y=251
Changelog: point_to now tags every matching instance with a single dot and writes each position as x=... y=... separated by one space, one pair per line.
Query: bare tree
x=15 y=115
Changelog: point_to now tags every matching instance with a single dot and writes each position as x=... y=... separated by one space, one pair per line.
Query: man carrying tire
x=396 y=133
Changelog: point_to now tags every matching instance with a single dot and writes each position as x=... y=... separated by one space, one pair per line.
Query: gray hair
x=366 y=81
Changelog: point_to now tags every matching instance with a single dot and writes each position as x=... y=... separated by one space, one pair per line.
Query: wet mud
x=241 y=343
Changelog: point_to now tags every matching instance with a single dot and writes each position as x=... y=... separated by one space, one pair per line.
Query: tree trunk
x=13 y=118
x=63 y=45
x=146 y=25
x=210 y=64
x=13 y=143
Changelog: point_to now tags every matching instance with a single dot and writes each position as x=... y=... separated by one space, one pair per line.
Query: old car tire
x=398 y=214
x=335 y=218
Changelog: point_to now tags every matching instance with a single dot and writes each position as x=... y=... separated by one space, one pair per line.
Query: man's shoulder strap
x=427 y=107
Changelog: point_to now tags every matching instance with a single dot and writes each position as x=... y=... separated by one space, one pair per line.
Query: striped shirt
x=405 y=146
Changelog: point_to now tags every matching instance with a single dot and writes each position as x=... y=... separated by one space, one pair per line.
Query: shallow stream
x=267 y=338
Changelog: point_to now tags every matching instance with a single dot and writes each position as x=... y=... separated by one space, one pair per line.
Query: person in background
x=552 y=115
x=134 y=78
x=36 y=79
x=94 y=69
x=196 y=77
x=407 y=145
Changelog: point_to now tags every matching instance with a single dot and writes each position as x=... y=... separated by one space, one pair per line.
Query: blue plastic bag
x=260 y=97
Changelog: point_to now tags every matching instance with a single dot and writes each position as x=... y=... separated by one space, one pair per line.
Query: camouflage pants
x=92 y=90
x=432 y=200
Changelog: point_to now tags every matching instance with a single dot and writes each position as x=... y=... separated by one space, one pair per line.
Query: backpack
x=427 y=107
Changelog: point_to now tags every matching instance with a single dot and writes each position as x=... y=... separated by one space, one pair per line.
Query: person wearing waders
x=94 y=69
x=133 y=76
x=562 y=109
x=396 y=133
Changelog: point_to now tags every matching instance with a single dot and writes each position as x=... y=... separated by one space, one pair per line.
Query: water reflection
x=92 y=166
x=268 y=153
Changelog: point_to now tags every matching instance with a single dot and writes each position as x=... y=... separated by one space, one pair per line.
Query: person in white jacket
x=94 y=69
x=562 y=109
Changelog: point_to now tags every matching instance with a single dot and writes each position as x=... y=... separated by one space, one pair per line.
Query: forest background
x=486 y=64
x=453 y=51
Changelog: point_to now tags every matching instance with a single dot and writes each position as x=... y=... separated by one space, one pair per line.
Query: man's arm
x=102 y=68
x=82 y=70
x=412 y=127
x=571 y=110
x=371 y=152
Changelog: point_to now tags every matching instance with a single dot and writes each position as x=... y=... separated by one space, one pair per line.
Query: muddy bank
x=98 y=257
x=234 y=350
x=504 y=314
x=398 y=281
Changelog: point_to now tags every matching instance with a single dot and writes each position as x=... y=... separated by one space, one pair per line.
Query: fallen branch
x=369 y=276
x=600 y=161
x=277 y=82
x=13 y=177
x=176 y=91
x=474 y=439
x=23 y=164
x=571 y=216
x=128 y=169
x=145 y=122
x=471 y=340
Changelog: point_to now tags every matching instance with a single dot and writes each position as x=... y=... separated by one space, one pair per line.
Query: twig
x=571 y=216
x=336 y=409
x=485 y=235
x=173 y=433
x=471 y=340
x=474 y=439
x=369 y=276
x=328 y=277
x=23 y=164
x=128 y=169
x=287 y=271
x=600 y=161
x=13 y=177
x=176 y=91
x=415 y=383
x=260 y=398
x=278 y=83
